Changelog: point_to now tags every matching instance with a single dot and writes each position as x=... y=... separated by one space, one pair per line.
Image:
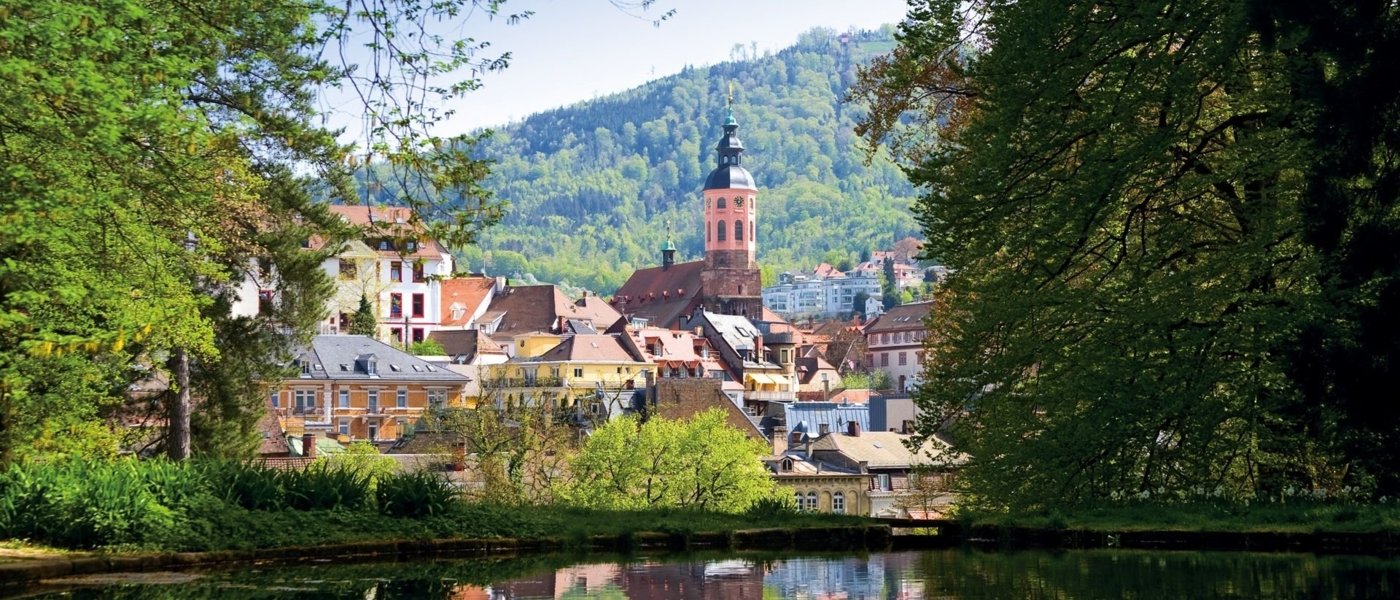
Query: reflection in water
x=953 y=574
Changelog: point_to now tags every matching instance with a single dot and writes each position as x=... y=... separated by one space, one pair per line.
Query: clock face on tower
x=739 y=202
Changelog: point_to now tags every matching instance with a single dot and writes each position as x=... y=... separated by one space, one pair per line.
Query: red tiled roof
x=661 y=295
x=465 y=344
x=539 y=308
x=587 y=347
x=685 y=398
x=467 y=292
x=388 y=217
x=901 y=318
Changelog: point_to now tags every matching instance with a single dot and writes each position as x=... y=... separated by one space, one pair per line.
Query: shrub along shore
x=159 y=506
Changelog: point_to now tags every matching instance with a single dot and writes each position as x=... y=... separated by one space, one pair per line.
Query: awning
x=761 y=378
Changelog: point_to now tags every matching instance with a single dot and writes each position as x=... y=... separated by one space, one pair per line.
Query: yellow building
x=596 y=372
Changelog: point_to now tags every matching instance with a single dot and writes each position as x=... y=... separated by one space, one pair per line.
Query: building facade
x=823 y=294
x=895 y=341
x=362 y=388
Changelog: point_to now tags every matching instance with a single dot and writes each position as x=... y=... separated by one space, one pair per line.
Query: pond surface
x=943 y=574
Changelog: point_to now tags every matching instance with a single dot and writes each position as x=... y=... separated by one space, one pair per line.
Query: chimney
x=780 y=440
x=853 y=429
x=500 y=285
x=308 y=445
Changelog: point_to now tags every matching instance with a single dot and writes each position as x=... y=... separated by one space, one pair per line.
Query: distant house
x=594 y=373
x=395 y=266
x=895 y=341
x=521 y=309
x=362 y=388
x=763 y=363
x=882 y=462
x=469 y=352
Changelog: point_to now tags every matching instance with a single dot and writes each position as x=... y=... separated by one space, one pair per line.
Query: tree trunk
x=178 y=413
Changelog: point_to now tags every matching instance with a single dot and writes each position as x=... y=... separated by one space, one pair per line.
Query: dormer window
x=372 y=367
x=787 y=465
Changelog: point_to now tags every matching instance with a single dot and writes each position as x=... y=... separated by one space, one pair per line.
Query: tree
x=363 y=322
x=519 y=452
x=428 y=347
x=889 y=285
x=701 y=464
x=1122 y=218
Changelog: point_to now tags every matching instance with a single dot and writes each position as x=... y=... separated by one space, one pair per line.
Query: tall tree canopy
x=1130 y=196
x=156 y=152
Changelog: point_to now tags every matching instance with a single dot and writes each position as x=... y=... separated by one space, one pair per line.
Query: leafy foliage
x=702 y=463
x=415 y=494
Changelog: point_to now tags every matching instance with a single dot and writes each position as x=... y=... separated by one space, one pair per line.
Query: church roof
x=659 y=294
x=727 y=177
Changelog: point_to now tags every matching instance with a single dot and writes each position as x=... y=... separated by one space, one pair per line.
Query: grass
x=1300 y=517
x=241 y=529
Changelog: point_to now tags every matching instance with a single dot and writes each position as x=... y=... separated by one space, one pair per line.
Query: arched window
x=812 y=501
x=798 y=498
x=752 y=235
x=708 y=236
x=719 y=203
x=720 y=230
x=738 y=231
x=838 y=503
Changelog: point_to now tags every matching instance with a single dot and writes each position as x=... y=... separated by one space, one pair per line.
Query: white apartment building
x=815 y=296
x=400 y=273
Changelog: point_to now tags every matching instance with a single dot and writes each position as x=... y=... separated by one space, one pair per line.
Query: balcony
x=770 y=396
x=528 y=382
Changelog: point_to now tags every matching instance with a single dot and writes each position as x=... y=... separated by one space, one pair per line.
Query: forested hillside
x=592 y=187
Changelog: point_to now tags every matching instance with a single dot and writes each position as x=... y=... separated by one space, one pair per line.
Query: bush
x=90 y=504
x=415 y=494
x=772 y=506
x=325 y=486
x=251 y=486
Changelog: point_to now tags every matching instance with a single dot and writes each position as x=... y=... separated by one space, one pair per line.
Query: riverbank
x=843 y=535
x=1339 y=528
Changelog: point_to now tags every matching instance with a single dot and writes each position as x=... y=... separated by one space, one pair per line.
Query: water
x=942 y=574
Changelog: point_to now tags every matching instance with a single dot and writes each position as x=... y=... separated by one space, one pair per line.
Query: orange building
x=362 y=388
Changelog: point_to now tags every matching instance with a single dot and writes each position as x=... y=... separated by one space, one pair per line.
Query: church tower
x=730 y=278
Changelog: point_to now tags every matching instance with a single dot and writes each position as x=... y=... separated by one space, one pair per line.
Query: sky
x=574 y=50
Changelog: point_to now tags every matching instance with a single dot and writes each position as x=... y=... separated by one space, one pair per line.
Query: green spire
x=668 y=244
x=729 y=107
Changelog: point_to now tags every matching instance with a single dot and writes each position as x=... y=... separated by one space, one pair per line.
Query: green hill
x=592 y=186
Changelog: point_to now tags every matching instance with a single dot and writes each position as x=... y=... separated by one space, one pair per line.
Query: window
x=395 y=305
x=785 y=354
x=882 y=482
x=374 y=401
x=812 y=501
x=275 y=396
x=305 y=399
x=418 y=271
x=787 y=465
x=347 y=269
x=719 y=204
x=418 y=308
x=738 y=231
x=345 y=427
x=305 y=368
x=903 y=358
x=436 y=398
x=720 y=230
x=373 y=432
x=265 y=301
x=345 y=398
x=838 y=503
x=752 y=235
x=884 y=359
x=417 y=334
x=708 y=237
x=402 y=398
x=578 y=372
x=396 y=271
x=798 y=498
